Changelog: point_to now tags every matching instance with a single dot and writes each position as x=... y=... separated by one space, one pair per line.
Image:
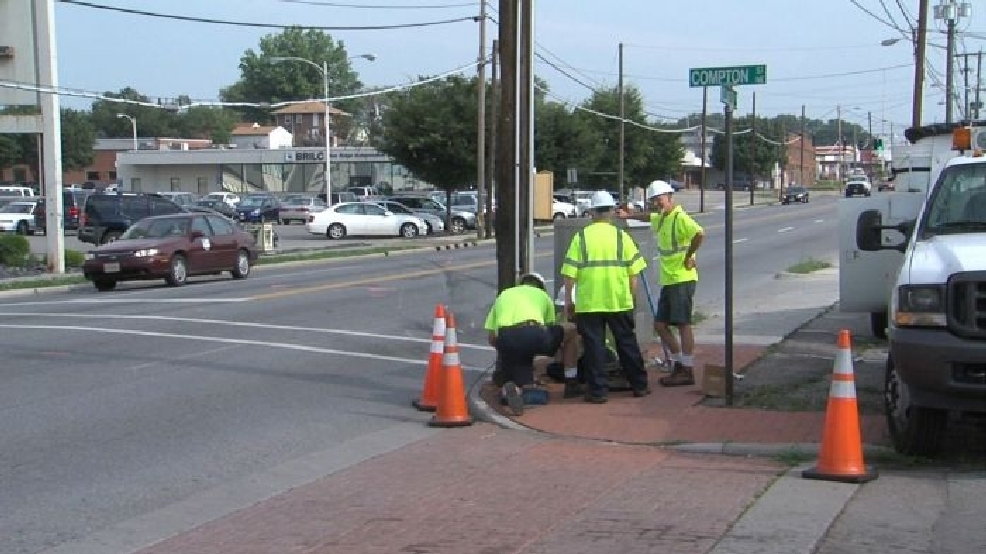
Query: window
x=349 y=209
x=316 y=122
x=415 y=203
x=176 y=183
x=298 y=118
x=373 y=209
x=92 y=175
x=200 y=224
x=112 y=175
x=219 y=225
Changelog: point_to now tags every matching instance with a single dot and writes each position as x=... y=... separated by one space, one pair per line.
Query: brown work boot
x=680 y=376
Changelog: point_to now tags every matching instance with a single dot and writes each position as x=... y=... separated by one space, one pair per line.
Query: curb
x=12 y=293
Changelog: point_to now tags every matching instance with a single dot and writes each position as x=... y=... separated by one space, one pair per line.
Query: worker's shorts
x=674 y=307
x=517 y=347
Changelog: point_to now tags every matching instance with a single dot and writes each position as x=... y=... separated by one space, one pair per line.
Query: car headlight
x=90 y=256
x=920 y=306
x=146 y=253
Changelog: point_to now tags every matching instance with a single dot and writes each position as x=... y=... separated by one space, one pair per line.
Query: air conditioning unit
x=6 y=52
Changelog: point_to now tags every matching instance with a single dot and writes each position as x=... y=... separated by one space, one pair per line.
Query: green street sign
x=728 y=96
x=731 y=76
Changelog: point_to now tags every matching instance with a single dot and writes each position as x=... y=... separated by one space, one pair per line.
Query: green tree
x=10 y=151
x=431 y=130
x=747 y=146
x=202 y=122
x=152 y=121
x=78 y=138
x=262 y=80
x=563 y=141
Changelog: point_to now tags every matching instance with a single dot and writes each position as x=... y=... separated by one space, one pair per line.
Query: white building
x=257 y=136
x=256 y=170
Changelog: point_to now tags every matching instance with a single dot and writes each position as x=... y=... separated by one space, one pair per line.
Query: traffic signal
x=878 y=143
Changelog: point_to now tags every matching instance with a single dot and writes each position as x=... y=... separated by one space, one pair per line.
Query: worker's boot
x=680 y=376
x=573 y=389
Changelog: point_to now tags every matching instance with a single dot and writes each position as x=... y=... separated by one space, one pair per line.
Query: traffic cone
x=452 y=410
x=840 y=457
x=433 y=375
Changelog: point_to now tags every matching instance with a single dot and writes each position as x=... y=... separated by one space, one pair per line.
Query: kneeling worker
x=522 y=326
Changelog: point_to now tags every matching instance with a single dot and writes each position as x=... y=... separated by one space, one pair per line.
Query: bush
x=14 y=250
x=74 y=258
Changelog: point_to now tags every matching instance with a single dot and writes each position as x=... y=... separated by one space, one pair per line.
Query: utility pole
x=525 y=137
x=801 y=177
x=842 y=146
x=965 y=82
x=753 y=148
x=979 y=82
x=490 y=172
x=481 y=191
x=506 y=161
x=705 y=109
x=622 y=157
x=951 y=12
x=919 y=56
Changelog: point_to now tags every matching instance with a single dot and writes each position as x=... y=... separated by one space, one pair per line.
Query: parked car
x=434 y=223
x=459 y=222
x=73 y=204
x=562 y=210
x=299 y=208
x=18 y=217
x=219 y=206
x=173 y=248
x=258 y=209
x=364 y=194
x=363 y=218
x=795 y=194
x=107 y=216
x=227 y=197
x=886 y=186
x=340 y=197
x=179 y=197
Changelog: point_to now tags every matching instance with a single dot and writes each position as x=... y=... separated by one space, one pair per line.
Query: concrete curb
x=13 y=293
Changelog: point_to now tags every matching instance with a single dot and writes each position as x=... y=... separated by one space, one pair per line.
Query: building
x=306 y=122
x=256 y=136
x=259 y=170
x=691 y=161
x=800 y=166
x=834 y=161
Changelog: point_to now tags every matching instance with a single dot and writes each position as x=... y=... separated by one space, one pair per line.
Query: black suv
x=107 y=216
x=73 y=202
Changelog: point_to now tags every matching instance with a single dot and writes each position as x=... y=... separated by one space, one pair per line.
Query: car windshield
x=17 y=208
x=958 y=204
x=796 y=190
x=396 y=208
x=158 y=228
x=252 y=202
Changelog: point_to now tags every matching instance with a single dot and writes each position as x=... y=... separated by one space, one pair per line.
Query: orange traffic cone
x=841 y=455
x=452 y=410
x=433 y=375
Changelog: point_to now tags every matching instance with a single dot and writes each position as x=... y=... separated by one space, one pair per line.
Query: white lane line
x=819 y=221
x=786 y=229
x=128 y=301
x=737 y=241
x=221 y=340
x=249 y=324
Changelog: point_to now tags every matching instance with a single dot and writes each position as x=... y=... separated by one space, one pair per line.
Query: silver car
x=299 y=208
x=434 y=223
x=459 y=222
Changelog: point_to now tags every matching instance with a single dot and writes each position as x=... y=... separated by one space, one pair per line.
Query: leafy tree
x=748 y=146
x=563 y=141
x=152 y=121
x=78 y=138
x=10 y=151
x=203 y=122
x=431 y=130
x=262 y=80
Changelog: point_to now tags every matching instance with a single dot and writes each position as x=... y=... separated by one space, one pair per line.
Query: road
x=180 y=405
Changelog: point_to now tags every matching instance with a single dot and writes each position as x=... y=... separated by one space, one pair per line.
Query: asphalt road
x=142 y=412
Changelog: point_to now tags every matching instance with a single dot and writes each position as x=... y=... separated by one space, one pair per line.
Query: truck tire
x=878 y=324
x=915 y=430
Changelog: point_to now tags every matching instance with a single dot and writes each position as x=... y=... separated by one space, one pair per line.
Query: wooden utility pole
x=621 y=184
x=804 y=145
x=506 y=159
x=492 y=130
x=919 y=55
x=481 y=191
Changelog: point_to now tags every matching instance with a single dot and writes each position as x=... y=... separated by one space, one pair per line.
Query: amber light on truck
x=920 y=306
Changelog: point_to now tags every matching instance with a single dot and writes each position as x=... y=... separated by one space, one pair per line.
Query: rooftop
x=314 y=106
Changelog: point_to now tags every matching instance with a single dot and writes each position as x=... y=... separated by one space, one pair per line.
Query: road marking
x=114 y=300
x=737 y=241
x=786 y=229
x=819 y=221
x=247 y=324
x=221 y=340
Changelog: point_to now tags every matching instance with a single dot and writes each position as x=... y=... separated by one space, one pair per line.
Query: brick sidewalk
x=487 y=490
x=671 y=415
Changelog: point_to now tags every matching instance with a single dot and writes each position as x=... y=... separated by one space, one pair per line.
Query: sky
x=818 y=53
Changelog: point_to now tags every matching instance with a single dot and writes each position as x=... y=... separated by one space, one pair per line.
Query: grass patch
x=826 y=185
x=43 y=283
x=808 y=266
x=698 y=317
x=793 y=457
x=331 y=254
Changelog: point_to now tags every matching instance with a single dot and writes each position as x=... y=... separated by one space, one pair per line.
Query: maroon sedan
x=172 y=247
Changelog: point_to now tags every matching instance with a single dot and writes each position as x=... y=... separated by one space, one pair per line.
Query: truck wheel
x=878 y=324
x=915 y=430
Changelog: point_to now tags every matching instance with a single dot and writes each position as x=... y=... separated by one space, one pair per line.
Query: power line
x=772 y=79
x=263 y=25
x=380 y=6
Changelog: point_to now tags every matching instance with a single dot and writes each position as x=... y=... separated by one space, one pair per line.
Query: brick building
x=306 y=122
x=800 y=149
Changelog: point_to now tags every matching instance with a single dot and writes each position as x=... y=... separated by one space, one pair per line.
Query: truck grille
x=966 y=304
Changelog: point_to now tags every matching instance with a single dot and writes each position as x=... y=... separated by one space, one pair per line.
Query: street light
x=133 y=125
x=324 y=69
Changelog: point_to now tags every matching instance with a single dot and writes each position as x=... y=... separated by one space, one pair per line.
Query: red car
x=172 y=247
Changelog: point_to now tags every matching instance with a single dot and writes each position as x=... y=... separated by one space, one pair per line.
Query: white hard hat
x=657 y=188
x=602 y=199
x=534 y=276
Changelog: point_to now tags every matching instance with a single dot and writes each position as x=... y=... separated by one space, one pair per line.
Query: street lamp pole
x=133 y=126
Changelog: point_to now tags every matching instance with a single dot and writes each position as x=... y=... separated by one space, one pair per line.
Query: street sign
x=732 y=76
x=573 y=176
x=728 y=96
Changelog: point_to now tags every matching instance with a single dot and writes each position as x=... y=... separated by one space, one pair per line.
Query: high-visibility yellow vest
x=602 y=258
x=673 y=233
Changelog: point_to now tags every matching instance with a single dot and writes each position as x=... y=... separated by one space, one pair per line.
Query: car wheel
x=104 y=285
x=335 y=231
x=458 y=225
x=242 y=268
x=914 y=430
x=110 y=236
x=409 y=230
x=178 y=273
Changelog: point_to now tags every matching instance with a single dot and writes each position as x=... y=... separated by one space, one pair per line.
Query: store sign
x=304 y=156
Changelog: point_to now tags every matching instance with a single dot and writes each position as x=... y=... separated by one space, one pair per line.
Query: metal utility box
x=543 y=196
x=263 y=235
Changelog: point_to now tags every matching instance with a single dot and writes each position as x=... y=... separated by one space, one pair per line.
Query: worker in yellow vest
x=678 y=238
x=603 y=263
x=521 y=326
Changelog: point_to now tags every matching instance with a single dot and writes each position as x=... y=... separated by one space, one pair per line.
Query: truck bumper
x=940 y=369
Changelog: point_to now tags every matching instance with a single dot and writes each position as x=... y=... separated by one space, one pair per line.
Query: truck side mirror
x=869 y=231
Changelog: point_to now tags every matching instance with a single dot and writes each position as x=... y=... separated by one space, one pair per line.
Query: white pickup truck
x=916 y=260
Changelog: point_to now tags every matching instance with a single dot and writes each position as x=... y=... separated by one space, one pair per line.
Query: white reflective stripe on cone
x=843 y=362
x=439 y=328
x=437 y=345
x=451 y=359
x=842 y=389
